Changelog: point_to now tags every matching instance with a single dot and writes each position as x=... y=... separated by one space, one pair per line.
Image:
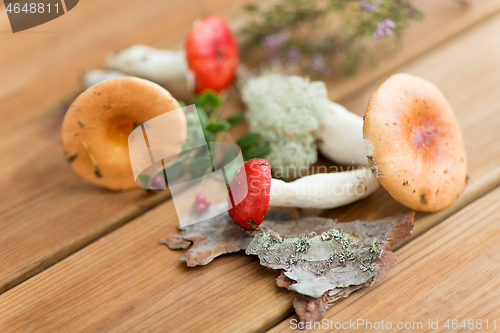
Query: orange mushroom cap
x=416 y=149
x=96 y=127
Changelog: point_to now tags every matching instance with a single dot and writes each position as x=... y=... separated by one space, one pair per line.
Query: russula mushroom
x=96 y=127
x=415 y=147
x=252 y=192
x=210 y=58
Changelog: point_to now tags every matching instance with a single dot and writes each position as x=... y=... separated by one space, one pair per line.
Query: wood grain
x=450 y=272
x=45 y=64
x=46 y=212
x=126 y=282
x=420 y=38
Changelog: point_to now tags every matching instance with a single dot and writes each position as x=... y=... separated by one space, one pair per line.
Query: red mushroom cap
x=212 y=54
x=251 y=206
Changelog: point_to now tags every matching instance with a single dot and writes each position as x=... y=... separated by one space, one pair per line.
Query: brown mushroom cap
x=96 y=127
x=417 y=150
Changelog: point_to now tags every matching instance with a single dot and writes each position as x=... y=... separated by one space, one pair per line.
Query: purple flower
x=272 y=44
x=274 y=41
x=318 y=64
x=293 y=53
x=384 y=28
x=368 y=6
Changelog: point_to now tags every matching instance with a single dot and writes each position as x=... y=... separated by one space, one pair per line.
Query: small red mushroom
x=209 y=61
x=251 y=190
x=212 y=54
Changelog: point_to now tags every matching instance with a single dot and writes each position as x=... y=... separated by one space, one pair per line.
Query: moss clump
x=285 y=111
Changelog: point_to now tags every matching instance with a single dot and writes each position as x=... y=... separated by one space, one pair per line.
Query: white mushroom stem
x=340 y=136
x=160 y=66
x=149 y=63
x=324 y=190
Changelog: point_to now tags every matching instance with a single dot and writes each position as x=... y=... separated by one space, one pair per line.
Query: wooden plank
x=125 y=282
x=132 y=282
x=443 y=19
x=44 y=197
x=64 y=48
x=46 y=211
x=73 y=43
x=451 y=272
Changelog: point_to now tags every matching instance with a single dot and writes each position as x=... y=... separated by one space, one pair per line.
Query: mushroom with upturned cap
x=415 y=147
x=253 y=190
x=96 y=127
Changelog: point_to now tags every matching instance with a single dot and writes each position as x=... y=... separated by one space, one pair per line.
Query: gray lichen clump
x=268 y=240
x=285 y=111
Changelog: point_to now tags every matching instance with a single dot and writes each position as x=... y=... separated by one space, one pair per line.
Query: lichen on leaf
x=338 y=259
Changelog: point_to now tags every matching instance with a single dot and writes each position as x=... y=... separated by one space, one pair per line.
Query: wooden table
x=77 y=258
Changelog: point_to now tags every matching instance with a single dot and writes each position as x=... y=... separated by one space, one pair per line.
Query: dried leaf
x=209 y=239
x=324 y=260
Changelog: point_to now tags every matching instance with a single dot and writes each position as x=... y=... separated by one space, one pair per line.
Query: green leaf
x=251 y=8
x=235 y=118
x=208 y=136
x=175 y=170
x=249 y=140
x=181 y=103
x=208 y=97
x=217 y=127
x=144 y=178
x=202 y=115
x=199 y=165
x=256 y=152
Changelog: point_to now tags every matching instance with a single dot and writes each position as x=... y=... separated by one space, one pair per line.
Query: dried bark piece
x=313 y=309
x=324 y=268
x=209 y=239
